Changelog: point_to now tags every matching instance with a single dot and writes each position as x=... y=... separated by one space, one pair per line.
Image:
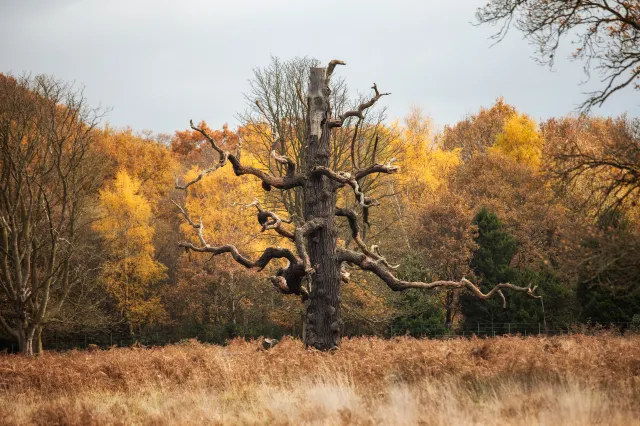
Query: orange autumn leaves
x=127 y=207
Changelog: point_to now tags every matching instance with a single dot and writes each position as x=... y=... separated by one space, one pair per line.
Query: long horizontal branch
x=287 y=280
x=269 y=254
x=367 y=264
x=351 y=179
x=268 y=181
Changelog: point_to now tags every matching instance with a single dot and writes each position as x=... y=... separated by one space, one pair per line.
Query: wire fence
x=492 y=329
x=123 y=338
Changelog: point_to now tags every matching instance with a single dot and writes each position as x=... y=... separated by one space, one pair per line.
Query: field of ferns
x=571 y=380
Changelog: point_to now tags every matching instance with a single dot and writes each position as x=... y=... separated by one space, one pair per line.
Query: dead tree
x=317 y=267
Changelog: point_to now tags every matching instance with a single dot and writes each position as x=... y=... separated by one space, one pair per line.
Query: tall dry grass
x=576 y=380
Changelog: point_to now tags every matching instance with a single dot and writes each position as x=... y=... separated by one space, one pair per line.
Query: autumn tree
x=606 y=34
x=520 y=140
x=316 y=267
x=130 y=272
x=477 y=132
x=608 y=287
x=48 y=171
x=597 y=159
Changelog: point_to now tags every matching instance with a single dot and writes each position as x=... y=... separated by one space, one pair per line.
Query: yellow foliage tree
x=520 y=140
x=221 y=202
x=143 y=158
x=425 y=168
x=425 y=165
x=130 y=273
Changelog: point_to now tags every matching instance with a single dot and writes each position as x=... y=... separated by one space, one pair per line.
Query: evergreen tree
x=608 y=285
x=490 y=262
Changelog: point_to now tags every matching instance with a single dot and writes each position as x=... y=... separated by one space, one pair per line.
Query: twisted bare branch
x=388 y=168
x=351 y=179
x=346 y=178
x=332 y=66
x=301 y=233
x=269 y=254
x=270 y=220
x=374 y=253
x=290 y=180
x=366 y=263
x=209 y=138
x=363 y=106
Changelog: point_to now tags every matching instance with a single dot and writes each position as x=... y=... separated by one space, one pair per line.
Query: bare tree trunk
x=25 y=340
x=323 y=314
x=39 y=341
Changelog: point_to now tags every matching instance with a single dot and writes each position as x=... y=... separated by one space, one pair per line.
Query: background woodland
x=497 y=197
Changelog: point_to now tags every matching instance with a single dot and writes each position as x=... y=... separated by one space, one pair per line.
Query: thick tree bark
x=323 y=313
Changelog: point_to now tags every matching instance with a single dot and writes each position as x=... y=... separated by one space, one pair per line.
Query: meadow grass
x=573 y=380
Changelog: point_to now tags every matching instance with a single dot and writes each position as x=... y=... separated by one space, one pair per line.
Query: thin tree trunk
x=323 y=314
x=449 y=300
x=39 y=341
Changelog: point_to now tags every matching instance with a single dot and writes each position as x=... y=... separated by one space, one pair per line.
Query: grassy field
x=576 y=380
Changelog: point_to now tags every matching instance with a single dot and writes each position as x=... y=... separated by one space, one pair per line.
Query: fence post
x=509 y=324
x=478 y=329
x=538 y=329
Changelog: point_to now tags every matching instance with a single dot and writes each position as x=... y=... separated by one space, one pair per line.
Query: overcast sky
x=159 y=63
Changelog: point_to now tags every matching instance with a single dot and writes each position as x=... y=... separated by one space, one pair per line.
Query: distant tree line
x=88 y=232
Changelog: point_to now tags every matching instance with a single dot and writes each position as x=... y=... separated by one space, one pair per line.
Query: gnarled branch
x=290 y=180
x=270 y=220
x=388 y=168
x=268 y=181
x=287 y=280
x=301 y=233
x=207 y=137
x=374 y=254
x=365 y=263
x=332 y=66
x=269 y=254
x=363 y=106
x=346 y=178
x=282 y=159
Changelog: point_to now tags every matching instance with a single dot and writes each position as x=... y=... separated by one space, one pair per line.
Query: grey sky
x=159 y=63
